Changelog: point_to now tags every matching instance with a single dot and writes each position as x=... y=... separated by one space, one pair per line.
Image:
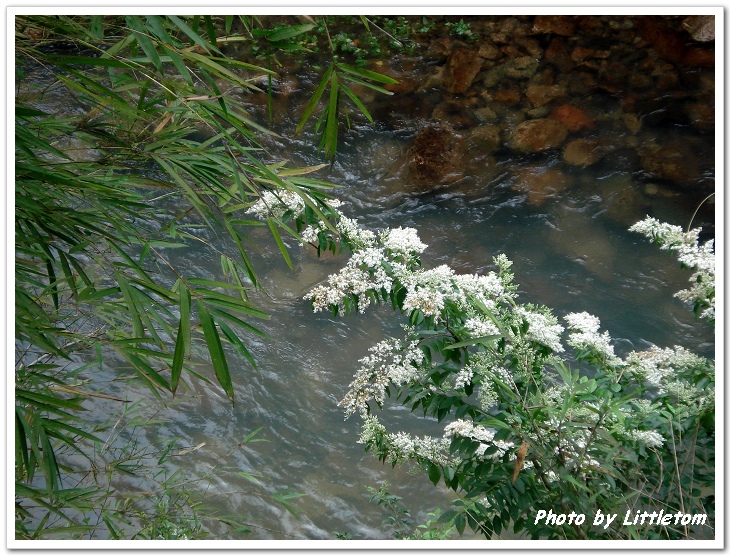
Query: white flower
x=402 y=241
x=650 y=438
x=585 y=336
x=477 y=327
x=275 y=204
x=701 y=259
x=428 y=301
x=542 y=329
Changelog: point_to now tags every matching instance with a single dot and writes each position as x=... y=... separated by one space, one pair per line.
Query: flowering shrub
x=527 y=427
x=699 y=258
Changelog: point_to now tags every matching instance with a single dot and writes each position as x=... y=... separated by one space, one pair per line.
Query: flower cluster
x=389 y=362
x=275 y=204
x=699 y=258
x=485 y=436
x=543 y=329
x=584 y=336
x=401 y=446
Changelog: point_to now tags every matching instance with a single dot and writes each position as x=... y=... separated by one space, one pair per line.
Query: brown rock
x=701 y=115
x=540 y=95
x=574 y=119
x=701 y=27
x=484 y=139
x=580 y=53
x=489 y=51
x=537 y=135
x=436 y=156
x=672 y=46
x=540 y=183
x=670 y=162
x=510 y=97
x=461 y=68
x=558 y=53
x=584 y=152
x=563 y=25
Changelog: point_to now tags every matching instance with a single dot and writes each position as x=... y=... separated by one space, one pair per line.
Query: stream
x=564 y=225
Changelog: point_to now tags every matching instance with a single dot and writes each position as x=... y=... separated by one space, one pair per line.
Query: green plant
x=162 y=157
x=529 y=429
x=461 y=29
x=398 y=517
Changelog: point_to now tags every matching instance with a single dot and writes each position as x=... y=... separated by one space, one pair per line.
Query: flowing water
x=571 y=251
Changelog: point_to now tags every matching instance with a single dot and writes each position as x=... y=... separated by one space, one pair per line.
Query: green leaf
x=279 y=242
x=182 y=344
x=311 y=105
x=357 y=101
x=289 y=32
x=215 y=348
x=367 y=74
x=330 y=132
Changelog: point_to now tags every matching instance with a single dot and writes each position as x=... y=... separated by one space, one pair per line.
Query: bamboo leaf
x=289 y=32
x=330 y=132
x=311 y=105
x=215 y=348
x=279 y=242
x=367 y=74
x=182 y=344
x=357 y=101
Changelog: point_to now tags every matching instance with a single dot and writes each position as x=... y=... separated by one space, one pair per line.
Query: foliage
x=152 y=152
x=527 y=429
x=698 y=258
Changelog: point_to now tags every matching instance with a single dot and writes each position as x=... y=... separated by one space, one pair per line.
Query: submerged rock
x=461 y=68
x=563 y=25
x=574 y=119
x=540 y=183
x=584 y=152
x=435 y=157
x=537 y=135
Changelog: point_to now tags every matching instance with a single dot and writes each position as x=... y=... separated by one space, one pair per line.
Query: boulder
x=461 y=68
x=540 y=183
x=584 y=152
x=563 y=25
x=537 y=135
x=574 y=119
x=435 y=157
x=484 y=139
x=701 y=27
x=540 y=95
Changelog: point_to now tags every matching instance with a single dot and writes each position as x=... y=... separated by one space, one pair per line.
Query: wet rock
x=574 y=119
x=626 y=206
x=521 y=68
x=489 y=51
x=455 y=114
x=701 y=115
x=508 y=97
x=701 y=27
x=538 y=135
x=435 y=157
x=537 y=113
x=632 y=123
x=484 y=139
x=540 y=183
x=563 y=25
x=486 y=114
x=540 y=95
x=581 y=53
x=675 y=162
x=558 y=53
x=531 y=47
x=672 y=46
x=584 y=152
x=461 y=68
x=505 y=30
x=439 y=49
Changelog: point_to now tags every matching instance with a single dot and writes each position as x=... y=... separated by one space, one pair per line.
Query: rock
x=673 y=162
x=537 y=113
x=672 y=46
x=489 y=51
x=508 y=97
x=584 y=152
x=574 y=119
x=701 y=115
x=435 y=157
x=540 y=183
x=581 y=53
x=537 y=135
x=632 y=123
x=454 y=114
x=558 y=53
x=701 y=27
x=563 y=25
x=461 y=68
x=484 y=139
x=523 y=67
x=530 y=46
x=486 y=114
x=439 y=49
x=540 y=95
